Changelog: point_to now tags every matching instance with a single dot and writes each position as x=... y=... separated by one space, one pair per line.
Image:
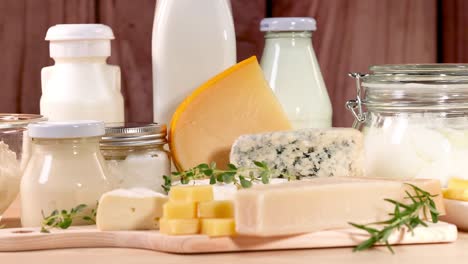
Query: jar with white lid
x=293 y=72
x=66 y=169
x=414 y=119
x=135 y=155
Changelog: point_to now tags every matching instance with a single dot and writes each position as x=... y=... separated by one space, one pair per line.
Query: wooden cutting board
x=22 y=239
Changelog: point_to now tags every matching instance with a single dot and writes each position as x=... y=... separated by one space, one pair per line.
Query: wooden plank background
x=351 y=36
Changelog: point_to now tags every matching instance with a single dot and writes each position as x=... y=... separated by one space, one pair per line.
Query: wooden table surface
x=441 y=253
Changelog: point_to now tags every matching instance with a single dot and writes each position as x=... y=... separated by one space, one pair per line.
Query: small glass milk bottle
x=292 y=71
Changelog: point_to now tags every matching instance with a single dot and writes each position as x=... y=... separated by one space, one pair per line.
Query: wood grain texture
x=454 y=30
x=247 y=16
x=21 y=239
x=23 y=27
x=353 y=35
x=132 y=23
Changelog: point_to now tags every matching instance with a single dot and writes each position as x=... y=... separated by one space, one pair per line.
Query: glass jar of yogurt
x=66 y=169
x=414 y=119
x=135 y=155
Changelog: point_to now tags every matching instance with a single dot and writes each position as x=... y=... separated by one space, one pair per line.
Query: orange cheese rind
x=183 y=106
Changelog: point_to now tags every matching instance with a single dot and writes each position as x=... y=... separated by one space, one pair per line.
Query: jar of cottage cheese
x=135 y=155
x=414 y=119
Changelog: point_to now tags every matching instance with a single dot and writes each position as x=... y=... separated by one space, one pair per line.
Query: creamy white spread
x=421 y=148
x=140 y=170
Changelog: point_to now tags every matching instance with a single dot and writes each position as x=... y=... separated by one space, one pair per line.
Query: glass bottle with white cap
x=66 y=169
x=81 y=85
x=292 y=71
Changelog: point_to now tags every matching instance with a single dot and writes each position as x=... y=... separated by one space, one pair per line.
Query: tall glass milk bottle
x=292 y=70
x=81 y=85
x=193 y=40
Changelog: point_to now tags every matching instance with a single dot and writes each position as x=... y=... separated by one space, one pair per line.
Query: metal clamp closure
x=352 y=105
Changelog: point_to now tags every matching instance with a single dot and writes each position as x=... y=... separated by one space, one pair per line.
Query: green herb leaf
x=64 y=219
x=212 y=180
x=245 y=183
x=407 y=215
x=259 y=172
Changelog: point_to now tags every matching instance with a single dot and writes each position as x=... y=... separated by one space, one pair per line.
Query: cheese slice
x=130 y=209
x=321 y=203
x=235 y=102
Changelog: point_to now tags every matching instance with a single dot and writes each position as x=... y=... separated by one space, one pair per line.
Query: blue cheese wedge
x=304 y=153
x=130 y=209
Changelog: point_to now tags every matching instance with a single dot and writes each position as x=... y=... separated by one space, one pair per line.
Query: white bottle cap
x=71 y=129
x=79 y=40
x=288 y=24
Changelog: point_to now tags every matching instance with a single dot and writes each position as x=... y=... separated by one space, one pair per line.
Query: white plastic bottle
x=292 y=70
x=192 y=42
x=81 y=85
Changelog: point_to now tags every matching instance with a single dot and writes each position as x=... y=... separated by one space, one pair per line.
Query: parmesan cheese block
x=305 y=152
x=130 y=209
x=235 y=102
x=321 y=203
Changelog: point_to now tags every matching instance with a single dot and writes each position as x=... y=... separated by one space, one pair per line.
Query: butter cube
x=457 y=183
x=216 y=209
x=130 y=209
x=199 y=193
x=179 y=226
x=180 y=210
x=218 y=227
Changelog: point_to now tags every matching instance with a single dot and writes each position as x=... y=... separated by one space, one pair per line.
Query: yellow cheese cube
x=218 y=227
x=456 y=194
x=180 y=210
x=216 y=209
x=457 y=183
x=199 y=193
x=179 y=226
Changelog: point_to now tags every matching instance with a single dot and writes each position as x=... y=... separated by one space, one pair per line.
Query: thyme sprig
x=63 y=219
x=242 y=177
x=404 y=215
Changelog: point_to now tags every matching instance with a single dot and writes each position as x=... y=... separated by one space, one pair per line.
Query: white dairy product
x=66 y=169
x=309 y=152
x=135 y=155
x=81 y=85
x=10 y=175
x=416 y=148
x=292 y=71
x=140 y=171
x=222 y=191
x=130 y=209
x=192 y=42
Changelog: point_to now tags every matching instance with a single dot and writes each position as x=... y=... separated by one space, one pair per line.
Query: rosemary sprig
x=63 y=219
x=404 y=215
x=242 y=177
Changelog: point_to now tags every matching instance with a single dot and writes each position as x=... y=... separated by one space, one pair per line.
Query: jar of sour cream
x=66 y=169
x=414 y=119
x=135 y=155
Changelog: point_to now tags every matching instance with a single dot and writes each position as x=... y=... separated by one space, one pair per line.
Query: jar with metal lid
x=414 y=119
x=135 y=155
